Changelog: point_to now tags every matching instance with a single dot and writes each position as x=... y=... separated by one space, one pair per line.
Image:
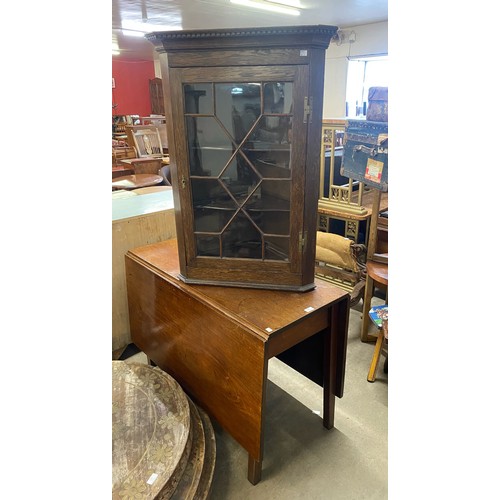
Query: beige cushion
x=335 y=250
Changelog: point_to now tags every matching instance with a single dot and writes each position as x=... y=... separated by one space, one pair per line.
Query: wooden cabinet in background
x=156 y=96
x=244 y=125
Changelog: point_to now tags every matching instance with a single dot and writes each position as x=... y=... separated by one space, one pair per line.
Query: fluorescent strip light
x=133 y=33
x=289 y=3
x=267 y=6
x=139 y=28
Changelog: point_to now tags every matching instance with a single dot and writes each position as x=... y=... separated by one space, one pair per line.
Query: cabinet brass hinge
x=302 y=240
x=308 y=105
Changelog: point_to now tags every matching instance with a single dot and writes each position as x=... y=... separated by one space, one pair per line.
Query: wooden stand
x=216 y=341
x=376 y=268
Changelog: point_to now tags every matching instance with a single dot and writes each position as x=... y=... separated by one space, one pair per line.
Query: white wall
x=371 y=39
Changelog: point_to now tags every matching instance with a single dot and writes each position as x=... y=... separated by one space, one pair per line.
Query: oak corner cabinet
x=244 y=110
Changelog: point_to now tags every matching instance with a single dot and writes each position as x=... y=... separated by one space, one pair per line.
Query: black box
x=366 y=153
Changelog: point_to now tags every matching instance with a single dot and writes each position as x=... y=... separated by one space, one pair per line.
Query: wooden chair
x=146 y=140
x=341 y=262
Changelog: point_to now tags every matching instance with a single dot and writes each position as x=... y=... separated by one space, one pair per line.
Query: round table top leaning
x=378 y=271
x=136 y=181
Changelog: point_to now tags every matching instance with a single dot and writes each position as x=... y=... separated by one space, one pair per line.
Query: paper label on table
x=269 y=329
x=303 y=53
x=152 y=478
x=309 y=309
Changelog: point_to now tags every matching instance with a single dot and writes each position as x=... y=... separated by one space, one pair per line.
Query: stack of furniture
x=344 y=210
x=121 y=151
x=366 y=159
x=148 y=154
x=163 y=444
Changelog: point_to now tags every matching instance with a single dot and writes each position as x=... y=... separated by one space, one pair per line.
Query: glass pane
x=269 y=208
x=278 y=97
x=272 y=131
x=237 y=106
x=270 y=152
x=276 y=248
x=198 y=98
x=211 y=219
x=209 y=146
x=208 y=246
x=240 y=179
x=210 y=193
x=241 y=239
x=272 y=164
x=244 y=202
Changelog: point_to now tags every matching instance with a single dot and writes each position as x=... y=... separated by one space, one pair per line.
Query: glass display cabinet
x=244 y=110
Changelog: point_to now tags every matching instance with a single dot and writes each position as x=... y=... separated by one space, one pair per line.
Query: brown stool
x=376 y=273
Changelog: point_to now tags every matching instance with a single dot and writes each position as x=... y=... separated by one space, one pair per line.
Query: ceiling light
x=289 y=3
x=139 y=28
x=135 y=28
x=278 y=6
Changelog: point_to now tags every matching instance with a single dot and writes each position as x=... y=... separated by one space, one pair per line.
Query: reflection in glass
x=209 y=146
x=276 y=248
x=213 y=206
x=271 y=210
x=207 y=246
x=241 y=239
x=198 y=98
x=273 y=131
x=278 y=97
x=273 y=164
x=211 y=220
x=237 y=106
x=240 y=168
x=240 y=181
x=210 y=192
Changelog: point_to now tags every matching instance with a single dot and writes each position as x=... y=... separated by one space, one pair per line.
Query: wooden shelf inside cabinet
x=243 y=105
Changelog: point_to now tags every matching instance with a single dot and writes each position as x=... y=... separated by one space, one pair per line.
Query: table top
x=130 y=161
x=127 y=204
x=120 y=171
x=264 y=311
x=136 y=181
x=151 y=424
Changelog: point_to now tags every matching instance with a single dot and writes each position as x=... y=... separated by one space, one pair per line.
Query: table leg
x=329 y=375
x=334 y=359
x=254 y=470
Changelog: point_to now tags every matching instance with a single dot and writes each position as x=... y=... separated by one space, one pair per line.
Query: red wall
x=131 y=92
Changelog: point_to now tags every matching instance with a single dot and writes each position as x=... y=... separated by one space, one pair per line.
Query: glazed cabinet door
x=240 y=136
